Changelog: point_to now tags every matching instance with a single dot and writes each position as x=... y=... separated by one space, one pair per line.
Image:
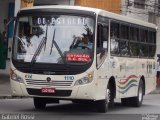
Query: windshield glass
x=57 y=39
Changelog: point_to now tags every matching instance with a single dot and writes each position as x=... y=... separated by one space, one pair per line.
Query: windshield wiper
x=56 y=45
x=52 y=41
x=46 y=38
x=40 y=46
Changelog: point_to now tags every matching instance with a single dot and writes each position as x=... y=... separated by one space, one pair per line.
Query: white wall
x=133 y=12
x=53 y=2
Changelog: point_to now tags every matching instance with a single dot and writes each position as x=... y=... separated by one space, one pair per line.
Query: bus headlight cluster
x=85 y=80
x=15 y=77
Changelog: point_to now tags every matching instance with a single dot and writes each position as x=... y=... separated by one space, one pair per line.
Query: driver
x=85 y=42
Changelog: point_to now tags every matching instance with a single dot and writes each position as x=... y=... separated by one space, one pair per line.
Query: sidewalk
x=5 y=89
x=157 y=91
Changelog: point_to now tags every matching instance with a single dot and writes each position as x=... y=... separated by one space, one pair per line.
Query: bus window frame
x=101 y=21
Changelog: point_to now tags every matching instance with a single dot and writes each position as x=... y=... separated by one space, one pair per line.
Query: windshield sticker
x=78 y=57
x=20 y=57
x=28 y=58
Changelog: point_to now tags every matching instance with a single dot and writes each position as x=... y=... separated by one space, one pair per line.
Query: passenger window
x=115 y=47
x=143 y=50
x=124 y=32
x=124 y=48
x=152 y=37
x=143 y=35
x=114 y=30
x=152 y=50
x=133 y=49
x=114 y=38
x=133 y=33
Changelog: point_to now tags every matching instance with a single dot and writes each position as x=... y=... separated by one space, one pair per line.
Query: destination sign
x=62 y=20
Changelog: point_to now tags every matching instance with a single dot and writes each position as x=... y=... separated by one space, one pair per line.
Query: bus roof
x=98 y=12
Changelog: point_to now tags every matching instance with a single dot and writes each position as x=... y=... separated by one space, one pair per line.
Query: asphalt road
x=23 y=109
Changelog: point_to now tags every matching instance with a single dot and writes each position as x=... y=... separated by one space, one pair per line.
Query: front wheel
x=102 y=105
x=39 y=103
x=110 y=94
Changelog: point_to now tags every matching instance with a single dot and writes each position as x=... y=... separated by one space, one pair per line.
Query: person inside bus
x=85 y=43
x=81 y=42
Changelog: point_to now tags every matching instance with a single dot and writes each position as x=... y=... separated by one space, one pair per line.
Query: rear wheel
x=125 y=101
x=135 y=101
x=39 y=103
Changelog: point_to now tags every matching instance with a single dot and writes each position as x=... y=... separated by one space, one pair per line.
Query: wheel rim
x=108 y=95
x=140 y=96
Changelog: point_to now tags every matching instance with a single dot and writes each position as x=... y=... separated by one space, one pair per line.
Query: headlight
x=85 y=80
x=15 y=77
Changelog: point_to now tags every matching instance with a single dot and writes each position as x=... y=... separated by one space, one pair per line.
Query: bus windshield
x=57 y=39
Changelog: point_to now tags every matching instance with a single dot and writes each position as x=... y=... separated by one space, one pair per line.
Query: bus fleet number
x=69 y=77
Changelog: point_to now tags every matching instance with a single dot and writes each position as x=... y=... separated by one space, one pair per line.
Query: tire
x=125 y=101
x=82 y=101
x=102 y=105
x=78 y=102
x=39 y=103
x=135 y=101
x=110 y=94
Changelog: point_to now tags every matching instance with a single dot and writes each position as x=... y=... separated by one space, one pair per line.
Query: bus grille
x=52 y=83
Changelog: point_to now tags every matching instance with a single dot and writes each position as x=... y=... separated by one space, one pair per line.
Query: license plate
x=48 y=90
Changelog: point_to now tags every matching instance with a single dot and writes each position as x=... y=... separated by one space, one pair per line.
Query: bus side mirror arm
x=11 y=20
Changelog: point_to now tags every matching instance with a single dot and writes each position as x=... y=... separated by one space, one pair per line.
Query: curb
x=13 y=97
x=155 y=92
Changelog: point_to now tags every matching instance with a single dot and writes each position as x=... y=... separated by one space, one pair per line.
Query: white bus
x=82 y=54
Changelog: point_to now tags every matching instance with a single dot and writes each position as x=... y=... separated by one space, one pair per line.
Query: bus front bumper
x=84 y=92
